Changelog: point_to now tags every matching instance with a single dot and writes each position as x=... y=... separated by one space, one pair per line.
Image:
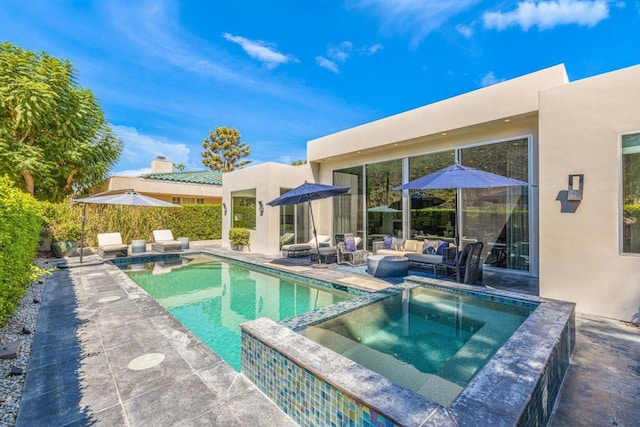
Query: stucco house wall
x=267 y=179
x=580 y=257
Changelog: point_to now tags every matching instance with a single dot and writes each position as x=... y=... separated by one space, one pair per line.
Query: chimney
x=161 y=165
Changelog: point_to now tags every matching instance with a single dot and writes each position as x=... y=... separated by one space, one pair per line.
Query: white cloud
x=262 y=51
x=489 y=79
x=340 y=53
x=415 y=17
x=373 y=49
x=328 y=64
x=140 y=149
x=465 y=30
x=548 y=14
x=132 y=172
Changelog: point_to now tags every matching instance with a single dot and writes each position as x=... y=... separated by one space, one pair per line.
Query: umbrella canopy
x=383 y=209
x=457 y=177
x=306 y=193
x=129 y=198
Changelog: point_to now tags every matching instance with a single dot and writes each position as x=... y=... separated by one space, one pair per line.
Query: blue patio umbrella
x=457 y=177
x=306 y=193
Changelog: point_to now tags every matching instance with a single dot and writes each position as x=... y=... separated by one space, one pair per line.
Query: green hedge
x=20 y=225
x=197 y=222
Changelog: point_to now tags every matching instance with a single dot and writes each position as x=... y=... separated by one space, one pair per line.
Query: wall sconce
x=576 y=185
x=224 y=209
x=260 y=207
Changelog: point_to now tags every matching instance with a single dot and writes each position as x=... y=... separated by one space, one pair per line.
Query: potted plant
x=239 y=238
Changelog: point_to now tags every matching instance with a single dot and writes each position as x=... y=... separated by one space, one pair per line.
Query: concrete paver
x=93 y=323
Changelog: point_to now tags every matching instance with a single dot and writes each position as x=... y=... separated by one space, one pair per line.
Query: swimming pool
x=211 y=297
x=429 y=341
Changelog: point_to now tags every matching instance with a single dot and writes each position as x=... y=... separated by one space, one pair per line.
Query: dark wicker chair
x=466 y=265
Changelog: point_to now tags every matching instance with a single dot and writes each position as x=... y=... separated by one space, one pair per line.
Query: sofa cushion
x=386 y=242
x=441 y=247
x=425 y=259
x=411 y=246
x=397 y=244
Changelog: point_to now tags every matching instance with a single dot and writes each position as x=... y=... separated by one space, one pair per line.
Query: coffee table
x=387 y=266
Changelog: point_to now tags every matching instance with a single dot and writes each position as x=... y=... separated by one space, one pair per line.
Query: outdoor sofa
x=420 y=252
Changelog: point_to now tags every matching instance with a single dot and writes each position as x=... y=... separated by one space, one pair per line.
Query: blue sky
x=287 y=71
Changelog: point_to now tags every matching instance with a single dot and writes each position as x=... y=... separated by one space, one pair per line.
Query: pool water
x=212 y=297
x=429 y=341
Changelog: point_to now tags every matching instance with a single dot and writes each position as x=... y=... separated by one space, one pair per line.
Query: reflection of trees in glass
x=438 y=219
x=631 y=193
x=381 y=178
x=347 y=208
x=244 y=209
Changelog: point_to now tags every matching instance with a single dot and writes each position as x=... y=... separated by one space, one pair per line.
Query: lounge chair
x=302 y=249
x=164 y=242
x=110 y=244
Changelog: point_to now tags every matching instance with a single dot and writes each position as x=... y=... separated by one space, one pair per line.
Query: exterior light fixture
x=507 y=120
x=224 y=209
x=576 y=185
x=260 y=207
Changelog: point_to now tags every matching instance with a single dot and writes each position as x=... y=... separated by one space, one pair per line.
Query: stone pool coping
x=513 y=388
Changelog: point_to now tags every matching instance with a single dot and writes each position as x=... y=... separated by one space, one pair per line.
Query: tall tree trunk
x=28 y=181
x=70 y=179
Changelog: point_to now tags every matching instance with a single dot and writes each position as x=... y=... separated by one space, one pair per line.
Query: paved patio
x=94 y=323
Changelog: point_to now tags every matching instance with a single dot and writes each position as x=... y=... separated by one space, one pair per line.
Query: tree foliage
x=223 y=150
x=53 y=136
x=298 y=162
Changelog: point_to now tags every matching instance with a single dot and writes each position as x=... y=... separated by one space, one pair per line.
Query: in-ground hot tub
x=516 y=382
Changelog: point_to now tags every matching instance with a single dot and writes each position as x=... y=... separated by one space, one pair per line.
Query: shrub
x=239 y=236
x=20 y=225
x=198 y=222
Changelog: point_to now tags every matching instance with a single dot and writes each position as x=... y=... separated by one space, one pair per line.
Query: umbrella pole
x=84 y=212
x=315 y=234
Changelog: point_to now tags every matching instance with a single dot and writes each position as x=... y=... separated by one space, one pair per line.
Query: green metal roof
x=197 y=177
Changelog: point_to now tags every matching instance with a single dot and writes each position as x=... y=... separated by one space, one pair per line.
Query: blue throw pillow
x=386 y=243
x=441 y=247
x=350 y=245
x=429 y=250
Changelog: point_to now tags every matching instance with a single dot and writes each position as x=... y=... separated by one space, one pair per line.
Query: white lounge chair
x=110 y=244
x=163 y=241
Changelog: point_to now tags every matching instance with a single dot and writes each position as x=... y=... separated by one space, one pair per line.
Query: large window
x=432 y=213
x=347 y=208
x=294 y=222
x=499 y=217
x=384 y=205
x=243 y=209
x=631 y=193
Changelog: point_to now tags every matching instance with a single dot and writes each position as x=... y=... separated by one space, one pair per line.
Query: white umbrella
x=129 y=198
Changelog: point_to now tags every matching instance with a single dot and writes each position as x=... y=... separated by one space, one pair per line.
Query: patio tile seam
x=113 y=378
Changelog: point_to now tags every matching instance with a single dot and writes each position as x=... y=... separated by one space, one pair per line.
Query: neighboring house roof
x=197 y=177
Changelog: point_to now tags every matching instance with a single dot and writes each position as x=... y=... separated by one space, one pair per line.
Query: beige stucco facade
x=266 y=179
x=572 y=128
x=580 y=254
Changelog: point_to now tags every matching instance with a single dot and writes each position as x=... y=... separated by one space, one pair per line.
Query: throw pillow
x=397 y=244
x=350 y=245
x=386 y=243
x=429 y=250
x=441 y=247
